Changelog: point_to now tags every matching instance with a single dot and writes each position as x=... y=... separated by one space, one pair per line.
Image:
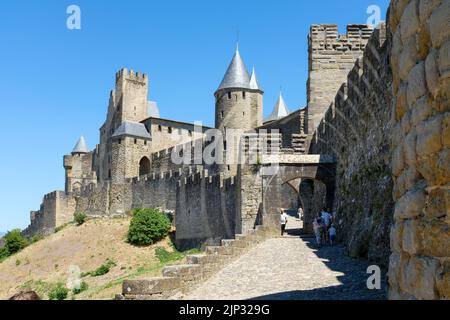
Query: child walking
x=332 y=234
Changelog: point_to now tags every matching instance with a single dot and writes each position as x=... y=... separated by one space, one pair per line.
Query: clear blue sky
x=55 y=82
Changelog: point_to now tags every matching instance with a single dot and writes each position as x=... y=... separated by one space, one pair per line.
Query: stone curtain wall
x=356 y=129
x=420 y=238
x=205 y=210
x=57 y=209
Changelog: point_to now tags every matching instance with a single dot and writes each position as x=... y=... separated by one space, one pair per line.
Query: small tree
x=148 y=226
x=79 y=218
x=14 y=241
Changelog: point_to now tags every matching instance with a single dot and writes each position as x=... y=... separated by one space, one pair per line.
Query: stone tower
x=130 y=152
x=331 y=57
x=239 y=98
x=78 y=166
x=131 y=96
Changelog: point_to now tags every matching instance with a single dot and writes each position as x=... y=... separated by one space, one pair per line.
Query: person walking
x=326 y=217
x=318 y=229
x=283 y=221
x=332 y=234
x=300 y=213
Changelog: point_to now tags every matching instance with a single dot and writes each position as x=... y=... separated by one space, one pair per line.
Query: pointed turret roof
x=236 y=75
x=280 y=110
x=254 y=83
x=81 y=146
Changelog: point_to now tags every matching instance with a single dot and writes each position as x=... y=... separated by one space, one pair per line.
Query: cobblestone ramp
x=290 y=268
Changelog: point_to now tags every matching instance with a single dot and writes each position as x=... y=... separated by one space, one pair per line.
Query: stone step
x=203 y=259
x=218 y=250
x=150 y=286
x=182 y=270
x=227 y=242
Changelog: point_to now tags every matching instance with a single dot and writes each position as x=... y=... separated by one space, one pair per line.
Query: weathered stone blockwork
x=205 y=210
x=57 y=209
x=356 y=130
x=331 y=57
x=420 y=237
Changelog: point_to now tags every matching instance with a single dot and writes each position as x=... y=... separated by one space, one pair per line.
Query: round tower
x=239 y=98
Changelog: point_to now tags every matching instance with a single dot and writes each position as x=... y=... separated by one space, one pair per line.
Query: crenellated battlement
x=361 y=79
x=326 y=37
x=331 y=57
x=131 y=75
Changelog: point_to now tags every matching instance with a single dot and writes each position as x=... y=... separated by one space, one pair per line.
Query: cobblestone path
x=290 y=268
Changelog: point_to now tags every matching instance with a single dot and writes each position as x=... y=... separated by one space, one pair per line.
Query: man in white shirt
x=283 y=221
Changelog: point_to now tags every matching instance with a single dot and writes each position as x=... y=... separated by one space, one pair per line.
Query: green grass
x=154 y=269
x=165 y=256
x=42 y=288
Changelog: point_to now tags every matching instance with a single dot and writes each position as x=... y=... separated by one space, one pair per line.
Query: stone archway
x=308 y=173
x=144 y=166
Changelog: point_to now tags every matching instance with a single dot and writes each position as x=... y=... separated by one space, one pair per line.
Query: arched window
x=144 y=166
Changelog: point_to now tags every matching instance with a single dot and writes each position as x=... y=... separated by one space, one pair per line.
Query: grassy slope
x=47 y=262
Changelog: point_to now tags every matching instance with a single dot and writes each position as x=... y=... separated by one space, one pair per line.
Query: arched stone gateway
x=300 y=168
x=144 y=166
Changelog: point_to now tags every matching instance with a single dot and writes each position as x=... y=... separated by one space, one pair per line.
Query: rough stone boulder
x=25 y=295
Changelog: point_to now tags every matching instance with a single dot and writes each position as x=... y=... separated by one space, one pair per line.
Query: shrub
x=58 y=292
x=148 y=226
x=4 y=253
x=83 y=287
x=80 y=218
x=102 y=270
x=36 y=238
x=14 y=241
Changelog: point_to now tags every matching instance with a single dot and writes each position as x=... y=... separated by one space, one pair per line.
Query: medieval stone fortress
x=372 y=143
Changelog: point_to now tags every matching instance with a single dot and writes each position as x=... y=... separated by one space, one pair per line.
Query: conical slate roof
x=254 y=83
x=81 y=146
x=280 y=110
x=236 y=75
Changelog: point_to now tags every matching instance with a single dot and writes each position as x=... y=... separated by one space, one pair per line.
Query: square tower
x=131 y=96
x=330 y=58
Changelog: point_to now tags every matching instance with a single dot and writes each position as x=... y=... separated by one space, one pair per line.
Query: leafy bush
x=100 y=271
x=148 y=226
x=14 y=241
x=36 y=238
x=83 y=287
x=4 y=253
x=58 y=292
x=79 y=218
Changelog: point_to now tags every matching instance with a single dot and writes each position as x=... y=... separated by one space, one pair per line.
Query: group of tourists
x=323 y=227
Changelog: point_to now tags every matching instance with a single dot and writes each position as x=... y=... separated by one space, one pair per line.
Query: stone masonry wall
x=205 y=210
x=331 y=57
x=356 y=130
x=57 y=209
x=420 y=238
